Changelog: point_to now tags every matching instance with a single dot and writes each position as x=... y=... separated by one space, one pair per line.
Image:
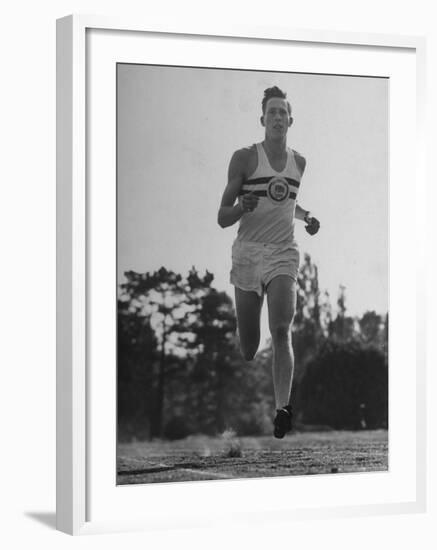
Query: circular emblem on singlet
x=277 y=190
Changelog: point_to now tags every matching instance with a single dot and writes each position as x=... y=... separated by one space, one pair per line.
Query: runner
x=264 y=179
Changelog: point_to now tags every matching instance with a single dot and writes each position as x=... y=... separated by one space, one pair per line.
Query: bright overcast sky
x=177 y=130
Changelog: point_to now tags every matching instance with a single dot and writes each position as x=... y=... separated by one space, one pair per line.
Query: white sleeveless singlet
x=272 y=221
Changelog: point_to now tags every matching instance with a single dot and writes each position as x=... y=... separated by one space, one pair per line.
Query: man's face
x=276 y=118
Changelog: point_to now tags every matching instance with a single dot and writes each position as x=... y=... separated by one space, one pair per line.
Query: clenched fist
x=313 y=225
x=249 y=202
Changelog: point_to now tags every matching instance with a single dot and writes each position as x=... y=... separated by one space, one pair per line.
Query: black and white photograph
x=252 y=274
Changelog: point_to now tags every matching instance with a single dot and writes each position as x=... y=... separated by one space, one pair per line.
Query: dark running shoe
x=282 y=422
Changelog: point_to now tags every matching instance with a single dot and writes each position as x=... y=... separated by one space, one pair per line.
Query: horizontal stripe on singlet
x=259 y=181
x=263 y=193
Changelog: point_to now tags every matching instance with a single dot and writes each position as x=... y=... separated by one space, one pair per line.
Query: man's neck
x=275 y=147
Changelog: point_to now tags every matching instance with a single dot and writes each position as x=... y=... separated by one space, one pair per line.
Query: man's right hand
x=249 y=202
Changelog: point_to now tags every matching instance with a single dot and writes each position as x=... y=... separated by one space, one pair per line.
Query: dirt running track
x=205 y=458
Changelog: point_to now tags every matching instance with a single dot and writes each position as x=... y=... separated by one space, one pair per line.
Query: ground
x=229 y=457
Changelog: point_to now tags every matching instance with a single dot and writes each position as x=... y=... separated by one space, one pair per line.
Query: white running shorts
x=255 y=264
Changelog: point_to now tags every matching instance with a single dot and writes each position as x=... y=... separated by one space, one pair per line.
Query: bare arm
x=313 y=224
x=229 y=212
x=300 y=213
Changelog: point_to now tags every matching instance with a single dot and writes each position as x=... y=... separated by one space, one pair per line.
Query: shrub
x=345 y=386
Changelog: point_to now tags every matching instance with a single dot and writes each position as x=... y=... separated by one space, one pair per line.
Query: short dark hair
x=274 y=92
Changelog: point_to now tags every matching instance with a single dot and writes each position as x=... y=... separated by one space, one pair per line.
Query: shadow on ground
x=46 y=518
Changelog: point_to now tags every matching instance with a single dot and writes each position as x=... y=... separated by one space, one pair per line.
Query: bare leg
x=248 y=305
x=281 y=300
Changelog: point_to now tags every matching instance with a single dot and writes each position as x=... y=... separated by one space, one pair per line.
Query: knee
x=281 y=333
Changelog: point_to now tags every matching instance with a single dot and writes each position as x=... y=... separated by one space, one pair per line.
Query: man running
x=264 y=179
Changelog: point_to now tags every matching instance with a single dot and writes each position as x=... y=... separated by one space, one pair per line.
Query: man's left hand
x=313 y=226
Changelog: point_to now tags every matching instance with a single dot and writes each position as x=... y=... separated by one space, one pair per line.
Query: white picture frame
x=74 y=344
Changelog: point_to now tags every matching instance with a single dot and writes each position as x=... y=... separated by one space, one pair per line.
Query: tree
x=136 y=356
x=342 y=328
x=372 y=329
x=308 y=331
x=212 y=327
x=216 y=329
x=170 y=302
